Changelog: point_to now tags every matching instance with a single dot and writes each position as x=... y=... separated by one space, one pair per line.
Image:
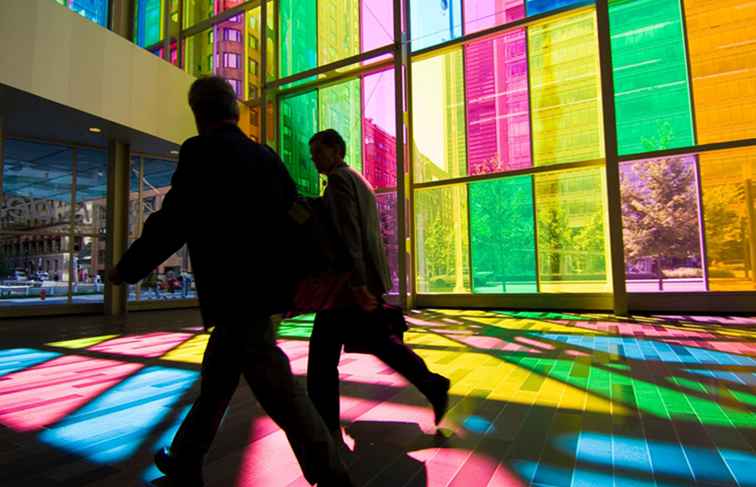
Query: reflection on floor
x=548 y=399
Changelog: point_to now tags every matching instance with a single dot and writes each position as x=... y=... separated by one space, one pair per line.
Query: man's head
x=328 y=150
x=213 y=101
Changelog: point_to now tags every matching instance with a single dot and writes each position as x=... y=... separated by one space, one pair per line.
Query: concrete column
x=116 y=297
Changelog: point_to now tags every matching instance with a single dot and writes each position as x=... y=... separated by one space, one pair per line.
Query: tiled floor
x=538 y=398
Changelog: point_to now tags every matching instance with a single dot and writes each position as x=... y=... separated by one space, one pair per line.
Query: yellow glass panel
x=728 y=183
x=442 y=242
x=438 y=116
x=565 y=89
x=338 y=30
x=572 y=230
x=722 y=52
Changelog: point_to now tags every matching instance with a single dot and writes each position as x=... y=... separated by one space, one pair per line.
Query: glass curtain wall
x=52 y=230
x=95 y=10
x=505 y=136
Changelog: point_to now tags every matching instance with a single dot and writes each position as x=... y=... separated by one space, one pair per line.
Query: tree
x=659 y=210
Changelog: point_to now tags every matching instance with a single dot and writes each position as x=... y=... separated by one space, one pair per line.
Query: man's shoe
x=182 y=472
x=439 y=398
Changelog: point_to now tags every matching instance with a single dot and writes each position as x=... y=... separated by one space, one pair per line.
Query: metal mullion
x=536 y=253
x=140 y=214
x=613 y=196
x=180 y=37
x=467 y=165
x=358 y=58
x=408 y=246
x=519 y=172
x=71 y=225
x=689 y=72
x=166 y=31
x=496 y=30
x=337 y=78
x=401 y=227
x=736 y=144
x=262 y=111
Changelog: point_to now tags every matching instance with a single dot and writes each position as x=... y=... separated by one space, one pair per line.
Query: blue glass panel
x=434 y=22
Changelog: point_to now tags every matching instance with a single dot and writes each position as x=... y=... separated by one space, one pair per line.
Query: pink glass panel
x=483 y=14
x=498 y=127
x=379 y=129
x=41 y=395
x=377 y=20
x=147 y=345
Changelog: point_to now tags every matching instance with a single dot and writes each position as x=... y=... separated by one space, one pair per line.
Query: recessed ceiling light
x=95 y=130
x=174 y=152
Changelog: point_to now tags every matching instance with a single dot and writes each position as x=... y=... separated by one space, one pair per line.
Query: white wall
x=49 y=51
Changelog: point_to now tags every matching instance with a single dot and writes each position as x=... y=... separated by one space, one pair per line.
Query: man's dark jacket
x=228 y=201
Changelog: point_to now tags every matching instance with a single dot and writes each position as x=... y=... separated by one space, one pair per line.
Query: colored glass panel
x=498 y=123
x=565 y=89
x=379 y=129
x=728 y=185
x=651 y=92
x=298 y=36
x=661 y=227
x=386 y=203
x=377 y=22
x=338 y=30
x=434 y=22
x=199 y=53
x=94 y=10
x=298 y=122
x=722 y=50
x=441 y=252
x=502 y=236
x=540 y=6
x=339 y=108
x=484 y=14
x=572 y=231
x=195 y=11
x=148 y=22
x=438 y=117
x=231 y=55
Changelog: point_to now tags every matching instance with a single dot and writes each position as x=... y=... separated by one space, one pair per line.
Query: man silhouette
x=225 y=180
x=349 y=202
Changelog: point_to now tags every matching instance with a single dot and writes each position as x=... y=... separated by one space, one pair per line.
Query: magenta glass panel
x=377 y=19
x=387 y=213
x=498 y=124
x=483 y=14
x=379 y=129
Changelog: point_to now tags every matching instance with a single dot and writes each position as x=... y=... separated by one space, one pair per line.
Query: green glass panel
x=441 y=240
x=651 y=89
x=565 y=89
x=340 y=110
x=298 y=122
x=572 y=231
x=502 y=236
x=298 y=41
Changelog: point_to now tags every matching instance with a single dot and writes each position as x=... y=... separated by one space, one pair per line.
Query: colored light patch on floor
x=191 y=351
x=20 y=358
x=147 y=345
x=43 y=394
x=152 y=473
x=638 y=349
x=112 y=427
x=710 y=464
x=82 y=342
x=744 y=378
